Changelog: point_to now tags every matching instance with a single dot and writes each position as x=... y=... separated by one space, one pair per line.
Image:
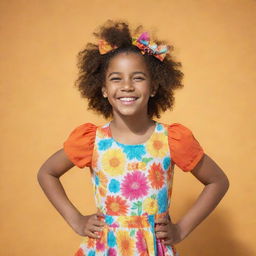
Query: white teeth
x=127 y=99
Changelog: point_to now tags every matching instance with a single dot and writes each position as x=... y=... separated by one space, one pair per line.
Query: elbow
x=40 y=175
x=225 y=184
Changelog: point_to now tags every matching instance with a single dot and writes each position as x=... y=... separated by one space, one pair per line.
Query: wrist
x=182 y=232
x=75 y=220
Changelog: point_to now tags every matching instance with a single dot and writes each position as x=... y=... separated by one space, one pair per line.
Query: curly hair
x=92 y=66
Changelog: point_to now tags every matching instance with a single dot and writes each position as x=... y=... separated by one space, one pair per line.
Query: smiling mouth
x=127 y=100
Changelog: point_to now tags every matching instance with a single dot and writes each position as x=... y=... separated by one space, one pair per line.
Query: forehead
x=127 y=62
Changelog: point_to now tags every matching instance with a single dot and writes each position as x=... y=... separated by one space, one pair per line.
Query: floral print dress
x=132 y=184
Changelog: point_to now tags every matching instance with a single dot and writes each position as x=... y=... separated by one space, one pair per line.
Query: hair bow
x=143 y=42
x=105 y=47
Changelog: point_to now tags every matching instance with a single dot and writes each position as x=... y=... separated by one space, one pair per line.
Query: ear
x=104 y=92
x=154 y=89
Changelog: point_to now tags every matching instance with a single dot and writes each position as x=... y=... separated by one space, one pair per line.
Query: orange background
x=215 y=41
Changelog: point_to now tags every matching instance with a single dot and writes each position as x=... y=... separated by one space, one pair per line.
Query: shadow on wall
x=213 y=237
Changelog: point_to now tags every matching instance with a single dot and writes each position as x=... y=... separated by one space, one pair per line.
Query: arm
x=216 y=185
x=48 y=177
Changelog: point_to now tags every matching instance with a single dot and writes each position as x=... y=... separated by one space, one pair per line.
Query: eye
x=139 y=78
x=115 y=78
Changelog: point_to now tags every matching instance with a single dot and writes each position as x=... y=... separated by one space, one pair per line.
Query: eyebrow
x=118 y=73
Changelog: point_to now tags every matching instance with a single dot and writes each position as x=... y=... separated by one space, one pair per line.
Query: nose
x=127 y=85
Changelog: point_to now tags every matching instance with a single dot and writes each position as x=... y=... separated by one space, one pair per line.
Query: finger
x=100 y=214
x=161 y=228
x=161 y=235
x=96 y=218
x=168 y=242
x=161 y=221
x=96 y=229
x=98 y=223
x=100 y=217
x=92 y=235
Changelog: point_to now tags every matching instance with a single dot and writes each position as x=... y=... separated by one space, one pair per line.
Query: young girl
x=131 y=79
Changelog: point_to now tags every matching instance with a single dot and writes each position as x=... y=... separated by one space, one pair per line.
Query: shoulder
x=80 y=143
x=84 y=128
x=176 y=130
x=185 y=149
x=81 y=133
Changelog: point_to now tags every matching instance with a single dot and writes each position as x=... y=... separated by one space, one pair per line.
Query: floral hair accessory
x=144 y=44
x=105 y=47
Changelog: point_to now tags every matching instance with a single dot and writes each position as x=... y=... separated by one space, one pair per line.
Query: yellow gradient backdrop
x=215 y=41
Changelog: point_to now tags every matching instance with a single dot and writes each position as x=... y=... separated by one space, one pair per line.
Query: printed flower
x=100 y=246
x=134 y=151
x=91 y=242
x=134 y=222
x=113 y=162
x=141 y=243
x=111 y=252
x=156 y=176
x=103 y=132
x=162 y=200
x=166 y=163
x=103 y=179
x=109 y=219
x=157 y=146
x=105 y=144
x=100 y=243
x=149 y=241
x=150 y=205
x=91 y=253
x=114 y=186
x=135 y=166
x=125 y=243
x=134 y=185
x=159 y=127
x=80 y=252
x=111 y=239
x=98 y=198
x=97 y=180
x=101 y=182
x=116 y=205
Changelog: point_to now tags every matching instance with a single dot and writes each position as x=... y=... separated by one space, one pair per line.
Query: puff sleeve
x=79 y=145
x=185 y=150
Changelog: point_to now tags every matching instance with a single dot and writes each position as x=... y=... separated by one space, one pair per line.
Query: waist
x=134 y=221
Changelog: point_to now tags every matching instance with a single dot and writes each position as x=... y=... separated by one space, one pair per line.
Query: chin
x=129 y=113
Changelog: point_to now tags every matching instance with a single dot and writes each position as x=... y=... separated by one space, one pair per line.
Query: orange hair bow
x=105 y=47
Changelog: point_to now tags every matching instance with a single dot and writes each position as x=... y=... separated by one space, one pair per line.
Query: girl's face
x=128 y=85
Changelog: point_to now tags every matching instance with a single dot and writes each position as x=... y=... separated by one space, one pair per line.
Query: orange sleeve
x=79 y=145
x=185 y=150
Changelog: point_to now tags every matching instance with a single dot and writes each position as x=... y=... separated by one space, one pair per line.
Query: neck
x=131 y=123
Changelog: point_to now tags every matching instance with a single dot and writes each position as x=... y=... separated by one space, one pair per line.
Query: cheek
x=111 y=92
x=146 y=90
